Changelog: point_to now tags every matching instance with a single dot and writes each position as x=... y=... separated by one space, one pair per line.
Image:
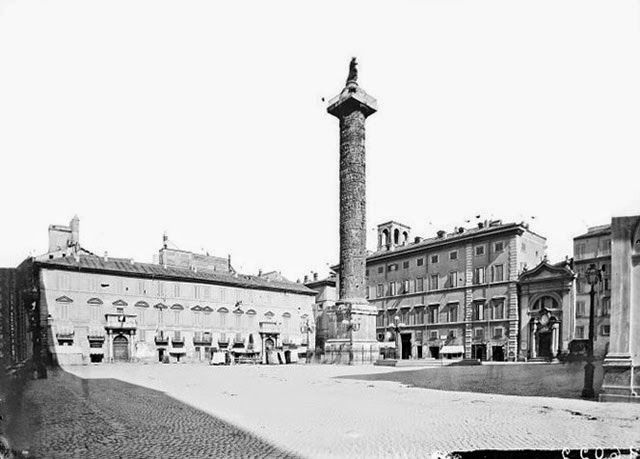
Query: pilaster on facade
x=468 y=300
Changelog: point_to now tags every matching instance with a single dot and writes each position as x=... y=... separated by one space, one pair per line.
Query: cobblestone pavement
x=307 y=410
x=68 y=417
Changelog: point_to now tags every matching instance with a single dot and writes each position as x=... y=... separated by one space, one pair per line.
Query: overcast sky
x=206 y=120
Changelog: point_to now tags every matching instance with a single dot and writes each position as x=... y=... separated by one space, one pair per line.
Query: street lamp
x=351 y=326
x=307 y=327
x=396 y=327
x=593 y=276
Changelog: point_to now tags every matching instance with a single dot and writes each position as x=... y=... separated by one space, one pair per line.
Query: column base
x=621 y=381
x=346 y=352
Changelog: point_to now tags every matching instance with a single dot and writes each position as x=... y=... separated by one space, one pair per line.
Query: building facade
x=593 y=247
x=455 y=294
x=326 y=298
x=547 y=310
x=102 y=309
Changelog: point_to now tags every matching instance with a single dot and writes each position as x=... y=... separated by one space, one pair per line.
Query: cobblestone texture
x=302 y=409
x=68 y=417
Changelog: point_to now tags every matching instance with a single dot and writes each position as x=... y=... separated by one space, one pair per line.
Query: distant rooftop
x=129 y=268
x=601 y=230
x=443 y=237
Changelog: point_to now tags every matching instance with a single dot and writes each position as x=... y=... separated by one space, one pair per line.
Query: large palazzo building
x=456 y=293
x=104 y=309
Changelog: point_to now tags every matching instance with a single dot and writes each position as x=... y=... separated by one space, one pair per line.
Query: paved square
x=305 y=410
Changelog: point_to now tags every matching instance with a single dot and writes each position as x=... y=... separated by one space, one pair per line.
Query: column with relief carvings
x=355 y=336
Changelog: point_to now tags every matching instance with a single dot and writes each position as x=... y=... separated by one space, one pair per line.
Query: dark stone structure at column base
x=621 y=380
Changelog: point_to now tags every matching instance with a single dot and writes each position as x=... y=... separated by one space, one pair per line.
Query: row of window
x=164 y=289
x=174 y=317
x=603 y=248
x=493 y=310
x=454 y=279
x=581 y=331
x=478 y=333
x=604 y=310
x=479 y=250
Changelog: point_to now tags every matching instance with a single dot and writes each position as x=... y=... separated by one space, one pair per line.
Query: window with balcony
x=405 y=286
x=420 y=284
x=392 y=289
x=380 y=291
x=480 y=276
x=419 y=316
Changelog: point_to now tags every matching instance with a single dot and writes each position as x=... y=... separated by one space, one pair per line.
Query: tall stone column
x=354 y=341
x=622 y=363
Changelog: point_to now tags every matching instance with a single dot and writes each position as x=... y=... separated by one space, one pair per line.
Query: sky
x=206 y=120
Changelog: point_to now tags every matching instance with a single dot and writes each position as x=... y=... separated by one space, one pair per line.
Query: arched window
x=547 y=302
x=385 y=236
x=396 y=236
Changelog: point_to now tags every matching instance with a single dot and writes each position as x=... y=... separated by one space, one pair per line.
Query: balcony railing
x=202 y=339
x=161 y=339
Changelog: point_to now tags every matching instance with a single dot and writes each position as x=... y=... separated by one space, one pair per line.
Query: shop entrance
x=406 y=345
x=498 y=353
x=479 y=351
x=434 y=351
x=160 y=355
x=120 y=348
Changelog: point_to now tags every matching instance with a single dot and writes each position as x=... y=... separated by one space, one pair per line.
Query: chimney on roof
x=480 y=225
x=106 y=256
x=306 y=278
x=495 y=223
x=441 y=234
x=461 y=230
x=417 y=239
x=259 y=272
x=165 y=240
x=315 y=276
x=75 y=231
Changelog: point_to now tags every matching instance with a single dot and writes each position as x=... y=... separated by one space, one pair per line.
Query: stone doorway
x=498 y=353
x=406 y=345
x=544 y=345
x=479 y=351
x=434 y=351
x=120 y=348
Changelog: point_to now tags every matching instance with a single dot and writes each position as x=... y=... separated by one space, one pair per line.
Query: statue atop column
x=353 y=71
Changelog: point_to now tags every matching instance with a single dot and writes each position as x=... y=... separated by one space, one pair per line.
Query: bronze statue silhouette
x=353 y=71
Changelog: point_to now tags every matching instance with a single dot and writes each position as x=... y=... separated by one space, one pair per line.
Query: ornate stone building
x=547 y=311
x=103 y=309
x=456 y=293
